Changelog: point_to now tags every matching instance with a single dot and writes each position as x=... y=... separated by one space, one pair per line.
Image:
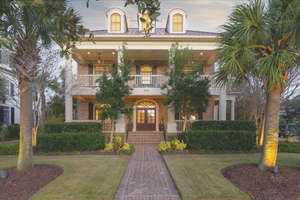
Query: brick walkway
x=146 y=177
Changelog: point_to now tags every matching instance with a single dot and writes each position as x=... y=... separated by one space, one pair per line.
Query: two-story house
x=151 y=62
x=10 y=105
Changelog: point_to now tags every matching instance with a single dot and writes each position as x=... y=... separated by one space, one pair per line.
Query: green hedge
x=219 y=140
x=69 y=142
x=289 y=148
x=224 y=125
x=73 y=127
x=12 y=131
x=9 y=148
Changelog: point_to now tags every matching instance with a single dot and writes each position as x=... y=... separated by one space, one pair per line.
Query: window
x=146 y=71
x=98 y=111
x=4 y=114
x=12 y=90
x=115 y=22
x=99 y=69
x=177 y=23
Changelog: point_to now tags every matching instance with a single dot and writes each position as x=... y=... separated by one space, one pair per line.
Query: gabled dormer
x=116 y=21
x=177 y=21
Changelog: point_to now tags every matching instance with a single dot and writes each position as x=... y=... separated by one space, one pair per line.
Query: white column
x=222 y=104
x=120 y=55
x=68 y=88
x=172 y=127
x=233 y=109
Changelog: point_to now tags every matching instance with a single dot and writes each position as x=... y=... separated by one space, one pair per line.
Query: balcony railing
x=138 y=81
x=148 y=81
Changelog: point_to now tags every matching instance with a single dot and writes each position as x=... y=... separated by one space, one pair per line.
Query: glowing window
x=115 y=22
x=177 y=23
x=98 y=109
x=146 y=104
x=99 y=70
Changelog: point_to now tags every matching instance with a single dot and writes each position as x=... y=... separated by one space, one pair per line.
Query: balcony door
x=146 y=116
x=146 y=78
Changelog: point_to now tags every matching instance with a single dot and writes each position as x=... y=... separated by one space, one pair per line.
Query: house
x=151 y=62
x=10 y=105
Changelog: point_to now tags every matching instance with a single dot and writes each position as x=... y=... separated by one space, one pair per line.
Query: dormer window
x=177 y=21
x=116 y=21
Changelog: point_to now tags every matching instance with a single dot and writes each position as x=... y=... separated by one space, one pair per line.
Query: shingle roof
x=158 y=31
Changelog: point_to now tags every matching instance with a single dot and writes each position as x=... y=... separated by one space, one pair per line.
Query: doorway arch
x=146 y=115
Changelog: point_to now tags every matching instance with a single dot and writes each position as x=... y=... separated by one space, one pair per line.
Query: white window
x=116 y=21
x=177 y=21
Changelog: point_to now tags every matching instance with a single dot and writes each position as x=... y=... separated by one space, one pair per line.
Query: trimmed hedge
x=9 y=148
x=224 y=125
x=288 y=148
x=73 y=127
x=216 y=140
x=69 y=142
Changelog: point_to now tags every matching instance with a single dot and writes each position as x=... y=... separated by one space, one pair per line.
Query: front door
x=146 y=117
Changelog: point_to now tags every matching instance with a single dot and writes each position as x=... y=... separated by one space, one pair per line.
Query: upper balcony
x=147 y=75
x=141 y=84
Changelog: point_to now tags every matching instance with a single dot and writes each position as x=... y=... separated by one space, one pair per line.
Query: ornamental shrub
x=119 y=145
x=217 y=140
x=73 y=127
x=12 y=131
x=69 y=142
x=224 y=125
x=9 y=148
x=172 y=146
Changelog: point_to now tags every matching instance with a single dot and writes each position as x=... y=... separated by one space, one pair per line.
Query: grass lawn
x=84 y=177
x=199 y=177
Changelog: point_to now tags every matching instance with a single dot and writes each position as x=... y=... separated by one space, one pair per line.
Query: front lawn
x=84 y=177
x=199 y=177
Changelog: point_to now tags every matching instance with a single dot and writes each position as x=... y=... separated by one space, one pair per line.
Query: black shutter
x=154 y=69
x=177 y=116
x=90 y=71
x=91 y=111
x=12 y=115
x=138 y=70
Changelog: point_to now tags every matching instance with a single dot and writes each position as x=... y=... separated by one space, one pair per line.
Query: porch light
x=89 y=52
x=201 y=53
x=113 y=53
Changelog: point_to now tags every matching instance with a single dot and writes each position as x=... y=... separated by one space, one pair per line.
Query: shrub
x=172 y=146
x=73 y=127
x=69 y=142
x=289 y=148
x=219 y=140
x=9 y=148
x=12 y=131
x=224 y=125
x=119 y=145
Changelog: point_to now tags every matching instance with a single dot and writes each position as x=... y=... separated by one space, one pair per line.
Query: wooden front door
x=146 y=117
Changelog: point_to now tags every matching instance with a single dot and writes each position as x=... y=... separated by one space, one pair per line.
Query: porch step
x=144 y=138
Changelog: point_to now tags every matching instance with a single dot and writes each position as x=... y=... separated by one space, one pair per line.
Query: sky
x=203 y=15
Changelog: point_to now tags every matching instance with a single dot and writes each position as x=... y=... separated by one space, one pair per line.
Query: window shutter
x=154 y=70
x=91 y=111
x=138 y=70
x=90 y=71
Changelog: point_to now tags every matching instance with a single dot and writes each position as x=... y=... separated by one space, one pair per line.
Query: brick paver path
x=146 y=177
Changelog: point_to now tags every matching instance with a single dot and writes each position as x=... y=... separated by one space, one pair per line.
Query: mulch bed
x=22 y=185
x=80 y=153
x=265 y=185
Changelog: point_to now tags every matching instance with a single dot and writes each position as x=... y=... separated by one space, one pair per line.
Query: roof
x=158 y=32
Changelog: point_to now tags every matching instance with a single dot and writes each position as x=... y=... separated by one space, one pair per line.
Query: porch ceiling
x=110 y=56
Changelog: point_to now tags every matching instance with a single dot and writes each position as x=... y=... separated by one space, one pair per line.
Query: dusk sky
x=203 y=15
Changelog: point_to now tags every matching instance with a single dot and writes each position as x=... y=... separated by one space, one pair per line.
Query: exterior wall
x=82 y=110
x=209 y=114
x=82 y=69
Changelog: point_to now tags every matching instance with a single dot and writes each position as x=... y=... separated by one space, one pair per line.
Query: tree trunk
x=270 y=143
x=25 y=159
x=43 y=108
x=184 y=124
x=112 y=130
x=261 y=131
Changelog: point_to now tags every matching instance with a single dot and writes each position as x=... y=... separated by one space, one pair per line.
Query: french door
x=146 y=119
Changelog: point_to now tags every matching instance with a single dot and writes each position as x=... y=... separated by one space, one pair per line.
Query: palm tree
x=262 y=40
x=24 y=26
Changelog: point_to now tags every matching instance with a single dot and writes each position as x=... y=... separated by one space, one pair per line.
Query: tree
x=3 y=88
x=26 y=24
x=187 y=92
x=113 y=88
x=262 y=39
x=44 y=81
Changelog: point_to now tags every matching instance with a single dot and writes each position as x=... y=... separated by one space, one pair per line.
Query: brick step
x=144 y=138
